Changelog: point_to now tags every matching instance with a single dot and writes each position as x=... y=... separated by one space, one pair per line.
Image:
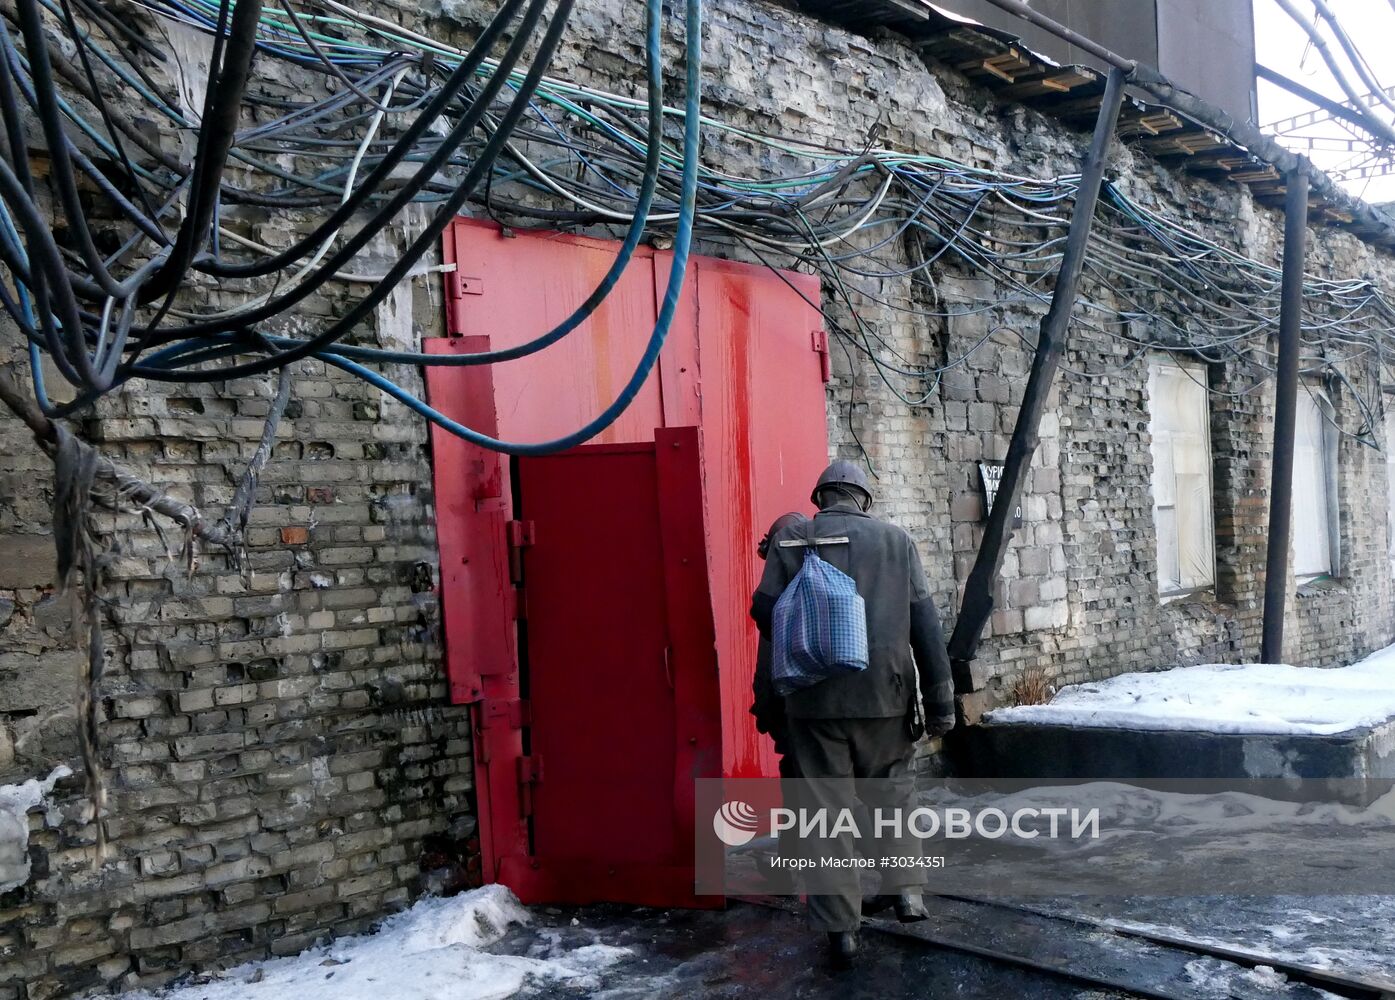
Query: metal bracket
x=820 y=345
x=463 y=284
x=530 y=769
x=802 y=543
x=520 y=537
x=521 y=534
x=511 y=713
x=530 y=772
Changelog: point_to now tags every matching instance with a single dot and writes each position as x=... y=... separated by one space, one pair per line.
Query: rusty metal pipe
x=978 y=592
x=1019 y=9
x=1285 y=418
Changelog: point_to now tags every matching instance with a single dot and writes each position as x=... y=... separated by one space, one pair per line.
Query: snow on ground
x=437 y=950
x=15 y=803
x=1227 y=698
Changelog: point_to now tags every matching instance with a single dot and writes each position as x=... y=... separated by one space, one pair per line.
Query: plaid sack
x=820 y=626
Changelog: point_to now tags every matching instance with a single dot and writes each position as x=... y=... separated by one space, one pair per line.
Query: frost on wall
x=15 y=803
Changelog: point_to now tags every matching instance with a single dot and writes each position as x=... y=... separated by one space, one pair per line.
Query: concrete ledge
x=1044 y=752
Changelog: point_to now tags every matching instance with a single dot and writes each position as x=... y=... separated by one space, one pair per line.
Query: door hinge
x=508 y=713
x=520 y=536
x=820 y=339
x=530 y=773
x=459 y=285
x=530 y=769
x=496 y=714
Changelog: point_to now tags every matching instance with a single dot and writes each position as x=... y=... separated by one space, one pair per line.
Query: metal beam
x=1360 y=173
x=1237 y=130
x=1313 y=117
x=1285 y=418
x=1366 y=122
x=978 y=591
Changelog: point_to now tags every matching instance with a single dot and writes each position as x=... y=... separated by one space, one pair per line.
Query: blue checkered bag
x=820 y=626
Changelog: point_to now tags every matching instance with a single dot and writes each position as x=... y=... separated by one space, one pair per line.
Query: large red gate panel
x=766 y=440
x=680 y=367
x=585 y=778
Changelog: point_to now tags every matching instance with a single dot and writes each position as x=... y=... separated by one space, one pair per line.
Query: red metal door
x=615 y=597
x=765 y=437
x=478 y=602
x=745 y=361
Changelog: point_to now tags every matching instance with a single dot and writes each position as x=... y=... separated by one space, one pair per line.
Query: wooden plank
x=1049 y=83
x=1266 y=173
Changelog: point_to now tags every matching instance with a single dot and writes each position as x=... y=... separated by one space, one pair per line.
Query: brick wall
x=282 y=761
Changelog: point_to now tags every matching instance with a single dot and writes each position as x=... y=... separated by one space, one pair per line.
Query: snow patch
x=1128 y=811
x=1227 y=698
x=1294 y=942
x=15 y=803
x=438 y=949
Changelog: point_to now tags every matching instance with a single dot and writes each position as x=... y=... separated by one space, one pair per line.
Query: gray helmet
x=847 y=475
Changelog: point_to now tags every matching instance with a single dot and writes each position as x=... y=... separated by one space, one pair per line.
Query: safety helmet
x=847 y=475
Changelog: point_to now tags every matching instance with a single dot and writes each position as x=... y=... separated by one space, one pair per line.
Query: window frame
x=1197 y=372
x=1330 y=458
x=1389 y=422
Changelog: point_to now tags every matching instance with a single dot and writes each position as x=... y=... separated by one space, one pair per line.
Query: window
x=1314 y=493
x=1390 y=483
x=1180 y=427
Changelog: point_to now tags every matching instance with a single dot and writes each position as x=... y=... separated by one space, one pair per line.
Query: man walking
x=856 y=731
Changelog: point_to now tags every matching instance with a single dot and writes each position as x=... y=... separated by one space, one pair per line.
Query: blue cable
x=36 y=371
x=681 y=246
x=206 y=348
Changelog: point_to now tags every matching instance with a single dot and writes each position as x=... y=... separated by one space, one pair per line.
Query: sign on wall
x=991 y=473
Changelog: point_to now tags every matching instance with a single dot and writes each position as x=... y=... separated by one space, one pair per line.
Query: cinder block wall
x=282 y=761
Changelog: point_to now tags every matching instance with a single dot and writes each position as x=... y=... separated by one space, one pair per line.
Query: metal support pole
x=1285 y=418
x=978 y=592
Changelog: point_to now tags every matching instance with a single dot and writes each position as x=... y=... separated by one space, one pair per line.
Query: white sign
x=992 y=473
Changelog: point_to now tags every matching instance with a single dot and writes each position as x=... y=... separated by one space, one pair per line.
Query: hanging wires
x=404 y=118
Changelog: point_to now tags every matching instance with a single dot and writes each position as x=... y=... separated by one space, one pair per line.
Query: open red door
x=619 y=672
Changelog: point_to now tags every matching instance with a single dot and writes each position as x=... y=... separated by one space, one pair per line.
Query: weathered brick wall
x=281 y=756
x=281 y=759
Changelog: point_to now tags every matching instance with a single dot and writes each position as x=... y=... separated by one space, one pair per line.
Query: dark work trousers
x=789 y=771
x=842 y=761
x=779 y=879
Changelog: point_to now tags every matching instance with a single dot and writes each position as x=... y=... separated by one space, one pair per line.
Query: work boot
x=910 y=907
x=842 y=948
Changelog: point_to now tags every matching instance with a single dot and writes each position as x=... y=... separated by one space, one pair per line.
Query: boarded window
x=1180 y=426
x=1313 y=509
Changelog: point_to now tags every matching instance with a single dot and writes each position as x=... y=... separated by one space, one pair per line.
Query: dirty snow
x=1227 y=698
x=1347 y=934
x=437 y=950
x=15 y=803
x=1129 y=809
